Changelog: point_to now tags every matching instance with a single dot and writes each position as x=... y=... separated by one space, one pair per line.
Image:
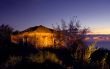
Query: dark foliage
x=66 y=55
x=98 y=55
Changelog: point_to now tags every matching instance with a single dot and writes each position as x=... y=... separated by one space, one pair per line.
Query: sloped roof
x=38 y=29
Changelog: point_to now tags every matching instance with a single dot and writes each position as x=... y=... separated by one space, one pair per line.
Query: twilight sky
x=22 y=14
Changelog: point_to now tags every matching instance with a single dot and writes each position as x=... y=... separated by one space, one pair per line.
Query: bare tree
x=71 y=32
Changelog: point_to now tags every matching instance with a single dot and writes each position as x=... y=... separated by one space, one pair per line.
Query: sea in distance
x=103 y=41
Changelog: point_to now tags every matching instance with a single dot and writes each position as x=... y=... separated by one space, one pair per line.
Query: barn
x=39 y=36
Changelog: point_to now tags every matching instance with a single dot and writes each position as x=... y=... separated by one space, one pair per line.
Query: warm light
x=37 y=39
x=87 y=38
x=41 y=37
x=100 y=31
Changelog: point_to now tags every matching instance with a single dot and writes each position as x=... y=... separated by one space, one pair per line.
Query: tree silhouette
x=5 y=33
x=98 y=55
x=71 y=33
x=99 y=58
x=16 y=32
x=72 y=37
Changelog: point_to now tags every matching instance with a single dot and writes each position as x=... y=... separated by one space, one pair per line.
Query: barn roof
x=39 y=28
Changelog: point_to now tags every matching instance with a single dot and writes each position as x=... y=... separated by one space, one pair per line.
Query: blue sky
x=22 y=14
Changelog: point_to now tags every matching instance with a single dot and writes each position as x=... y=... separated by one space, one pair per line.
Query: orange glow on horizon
x=100 y=31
